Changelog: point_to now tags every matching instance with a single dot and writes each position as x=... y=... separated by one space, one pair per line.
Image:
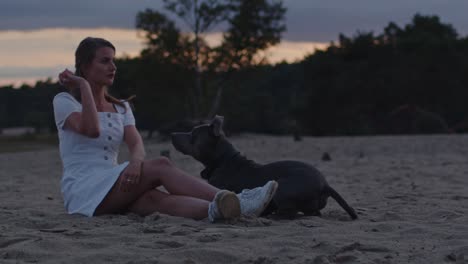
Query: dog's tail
x=335 y=195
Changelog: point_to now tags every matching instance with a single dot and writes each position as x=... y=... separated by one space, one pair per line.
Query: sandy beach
x=410 y=192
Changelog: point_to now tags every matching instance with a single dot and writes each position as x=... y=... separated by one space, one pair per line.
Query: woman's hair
x=84 y=55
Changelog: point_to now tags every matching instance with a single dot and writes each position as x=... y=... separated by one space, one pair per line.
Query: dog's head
x=201 y=142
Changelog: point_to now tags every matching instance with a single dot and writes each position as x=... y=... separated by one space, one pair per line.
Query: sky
x=38 y=37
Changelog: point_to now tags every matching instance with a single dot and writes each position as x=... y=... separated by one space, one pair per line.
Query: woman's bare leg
x=176 y=205
x=155 y=173
x=178 y=182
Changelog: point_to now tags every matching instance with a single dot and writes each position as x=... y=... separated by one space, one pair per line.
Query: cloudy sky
x=38 y=37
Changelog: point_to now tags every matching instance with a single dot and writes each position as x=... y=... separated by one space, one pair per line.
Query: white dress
x=90 y=167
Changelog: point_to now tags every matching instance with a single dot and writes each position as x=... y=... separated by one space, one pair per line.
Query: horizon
x=53 y=51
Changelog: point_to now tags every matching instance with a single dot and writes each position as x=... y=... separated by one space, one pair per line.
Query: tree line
x=409 y=79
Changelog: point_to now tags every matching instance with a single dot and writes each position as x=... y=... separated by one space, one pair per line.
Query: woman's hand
x=130 y=176
x=70 y=80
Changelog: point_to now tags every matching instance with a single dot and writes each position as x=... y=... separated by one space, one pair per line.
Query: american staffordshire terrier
x=301 y=187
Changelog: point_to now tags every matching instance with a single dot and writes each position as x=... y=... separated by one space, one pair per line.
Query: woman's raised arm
x=87 y=122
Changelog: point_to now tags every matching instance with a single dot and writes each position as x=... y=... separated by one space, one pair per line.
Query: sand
x=410 y=192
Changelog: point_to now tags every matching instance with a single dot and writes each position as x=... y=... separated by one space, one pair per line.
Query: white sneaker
x=254 y=201
x=225 y=205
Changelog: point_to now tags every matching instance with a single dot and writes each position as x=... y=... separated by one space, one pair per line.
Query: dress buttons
x=109 y=138
x=106 y=158
x=105 y=148
x=110 y=124
x=108 y=115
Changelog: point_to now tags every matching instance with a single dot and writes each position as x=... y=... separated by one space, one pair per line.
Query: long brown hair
x=84 y=55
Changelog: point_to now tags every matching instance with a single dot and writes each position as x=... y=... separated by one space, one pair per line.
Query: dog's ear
x=217 y=125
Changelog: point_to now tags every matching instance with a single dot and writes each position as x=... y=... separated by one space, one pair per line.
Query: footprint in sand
x=308 y=224
x=344 y=254
x=181 y=233
x=262 y=260
x=54 y=230
x=459 y=197
x=389 y=216
x=153 y=230
x=322 y=259
x=460 y=255
x=445 y=215
x=364 y=248
x=413 y=231
x=160 y=245
x=37 y=224
x=384 y=227
x=169 y=244
x=209 y=238
x=6 y=242
x=345 y=259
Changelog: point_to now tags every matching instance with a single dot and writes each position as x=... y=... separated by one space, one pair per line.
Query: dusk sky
x=38 y=37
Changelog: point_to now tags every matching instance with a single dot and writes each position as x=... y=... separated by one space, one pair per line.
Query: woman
x=91 y=126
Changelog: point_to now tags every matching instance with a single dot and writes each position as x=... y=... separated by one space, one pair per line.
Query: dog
x=301 y=187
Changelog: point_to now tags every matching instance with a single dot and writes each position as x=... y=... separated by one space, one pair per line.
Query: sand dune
x=411 y=195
